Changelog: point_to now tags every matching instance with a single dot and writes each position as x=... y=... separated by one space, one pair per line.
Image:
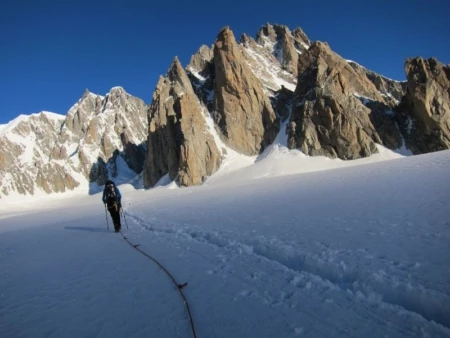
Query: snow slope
x=5 y=128
x=358 y=251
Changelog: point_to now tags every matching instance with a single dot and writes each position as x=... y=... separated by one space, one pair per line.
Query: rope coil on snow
x=179 y=286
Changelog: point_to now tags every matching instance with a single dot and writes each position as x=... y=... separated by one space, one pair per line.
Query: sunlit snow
x=277 y=248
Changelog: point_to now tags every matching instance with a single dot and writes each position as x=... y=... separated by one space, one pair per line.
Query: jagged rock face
x=79 y=116
x=179 y=142
x=243 y=113
x=286 y=45
x=328 y=116
x=282 y=103
x=391 y=90
x=52 y=177
x=301 y=39
x=201 y=74
x=201 y=61
x=424 y=113
x=384 y=119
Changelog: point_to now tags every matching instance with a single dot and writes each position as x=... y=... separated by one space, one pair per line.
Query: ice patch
x=197 y=74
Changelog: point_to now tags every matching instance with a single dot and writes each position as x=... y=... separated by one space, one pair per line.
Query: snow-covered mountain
x=234 y=99
x=47 y=153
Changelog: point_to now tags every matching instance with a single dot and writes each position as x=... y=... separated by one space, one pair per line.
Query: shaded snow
x=389 y=95
x=364 y=99
x=410 y=124
x=125 y=173
x=196 y=74
x=403 y=150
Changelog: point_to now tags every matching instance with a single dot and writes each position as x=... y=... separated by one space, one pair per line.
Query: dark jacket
x=118 y=194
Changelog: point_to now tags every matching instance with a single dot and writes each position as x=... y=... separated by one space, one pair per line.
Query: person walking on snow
x=112 y=200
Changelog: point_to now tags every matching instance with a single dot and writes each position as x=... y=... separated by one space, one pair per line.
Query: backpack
x=110 y=194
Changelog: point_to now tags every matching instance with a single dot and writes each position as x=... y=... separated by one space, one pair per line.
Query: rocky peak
x=201 y=74
x=301 y=37
x=391 y=90
x=116 y=98
x=86 y=93
x=322 y=69
x=178 y=76
x=285 y=45
x=247 y=41
x=179 y=143
x=98 y=130
x=242 y=111
x=421 y=71
x=281 y=31
x=425 y=108
x=332 y=113
x=276 y=32
x=201 y=60
x=266 y=32
x=117 y=91
x=78 y=116
x=225 y=41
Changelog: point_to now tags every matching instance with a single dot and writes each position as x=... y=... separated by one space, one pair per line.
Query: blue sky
x=52 y=50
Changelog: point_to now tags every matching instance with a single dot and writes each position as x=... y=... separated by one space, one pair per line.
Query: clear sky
x=52 y=50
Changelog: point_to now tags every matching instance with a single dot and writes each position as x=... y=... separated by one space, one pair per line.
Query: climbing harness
x=179 y=286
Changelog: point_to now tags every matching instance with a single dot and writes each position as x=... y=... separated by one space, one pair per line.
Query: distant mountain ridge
x=56 y=153
x=232 y=97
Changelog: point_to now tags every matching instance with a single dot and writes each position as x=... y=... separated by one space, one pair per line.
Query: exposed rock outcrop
x=328 y=115
x=282 y=103
x=286 y=45
x=179 y=143
x=200 y=71
x=201 y=62
x=424 y=113
x=243 y=113
x=391 y=90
